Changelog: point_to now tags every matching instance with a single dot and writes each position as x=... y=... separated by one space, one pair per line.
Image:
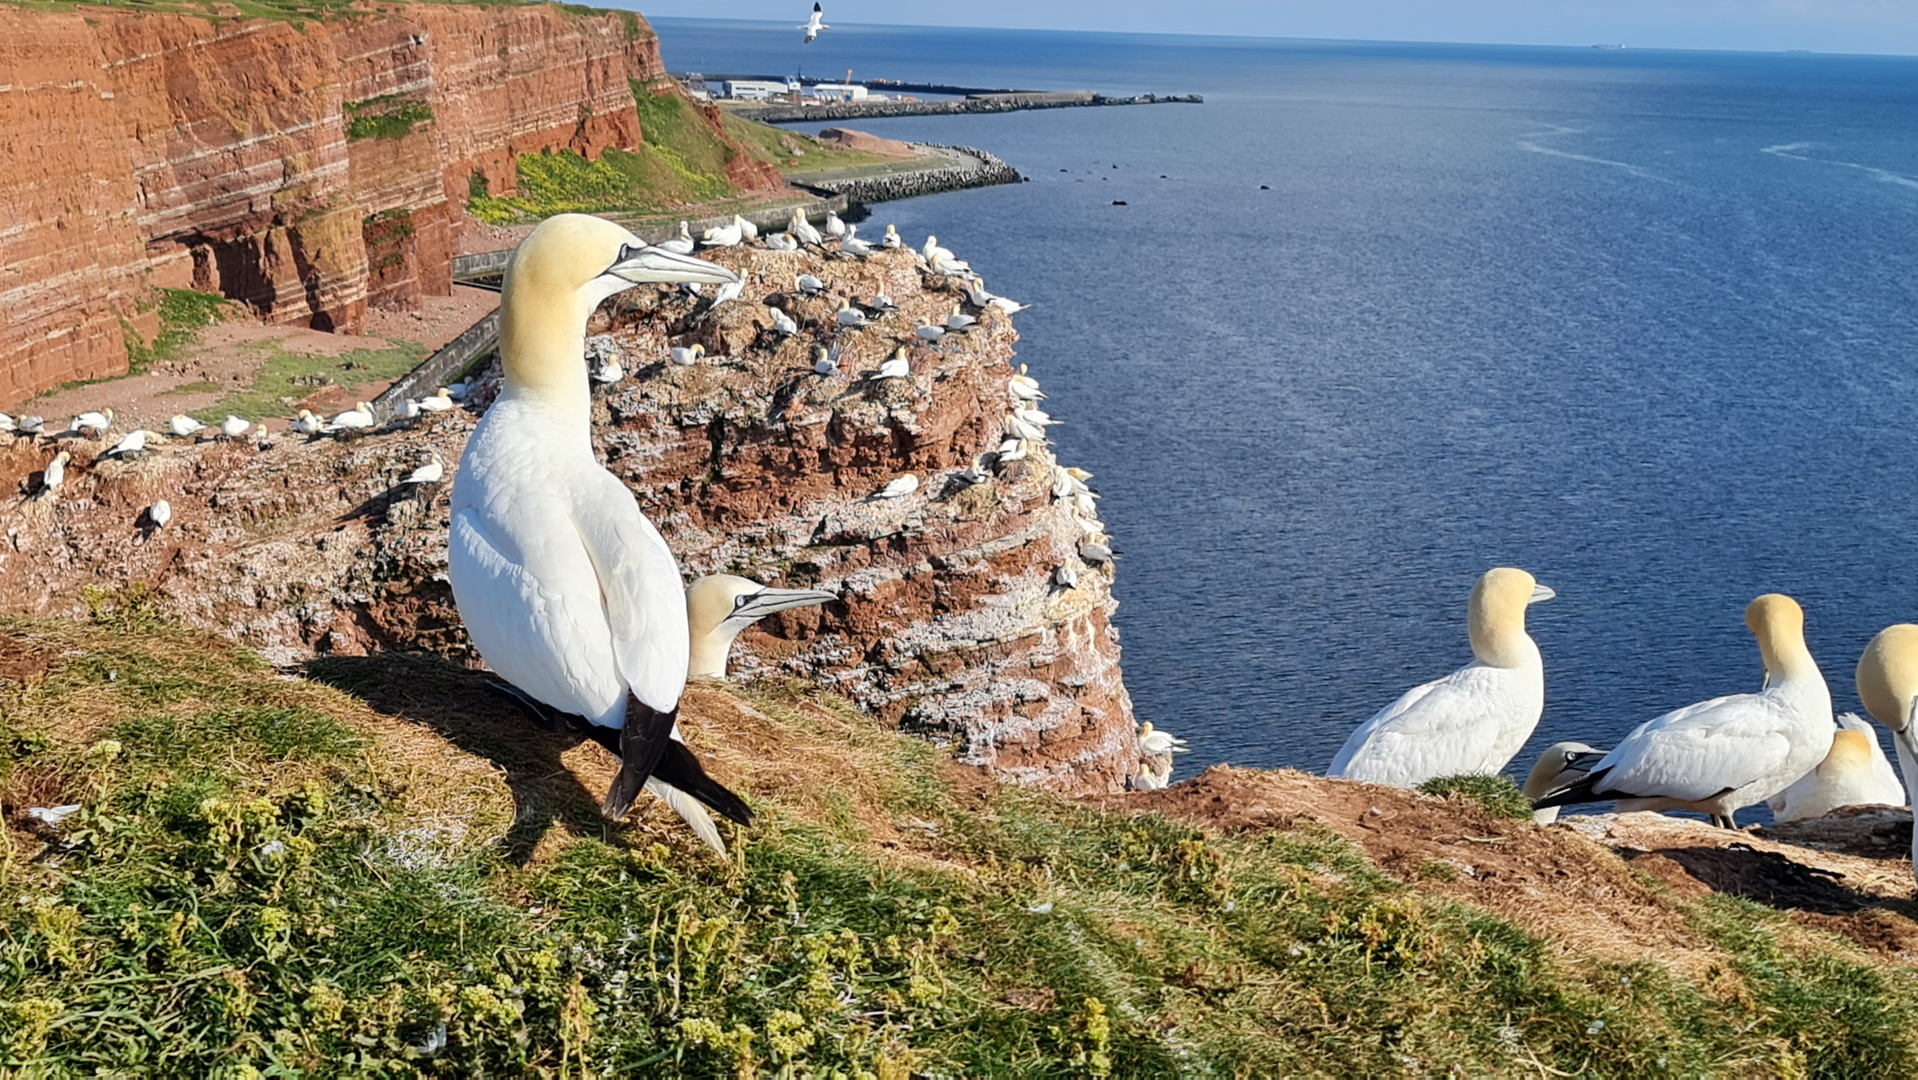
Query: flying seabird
x=566 y=588
x=719 y=606
x=1855 y=772
x=1719 y=756
x=1473 y=720
x=183 y=425
x=1888 y=685
x=1561 y=764
x=814 y=25
x=233 y=427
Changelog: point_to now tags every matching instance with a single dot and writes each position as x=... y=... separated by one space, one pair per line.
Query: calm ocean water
x=1378 y=317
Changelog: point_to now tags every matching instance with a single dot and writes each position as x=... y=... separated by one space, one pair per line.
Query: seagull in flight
x=815 y=24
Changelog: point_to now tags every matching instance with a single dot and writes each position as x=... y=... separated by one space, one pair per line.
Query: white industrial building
x=839 y=92
x=752 y=90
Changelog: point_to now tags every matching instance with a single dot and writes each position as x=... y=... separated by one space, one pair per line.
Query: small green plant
x=389 y=117
x=1496 y=795
x=183 y=314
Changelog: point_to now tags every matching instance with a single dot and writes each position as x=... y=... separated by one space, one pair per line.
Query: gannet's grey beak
x=1540 y=594
x=766 y=601
x=643 y=264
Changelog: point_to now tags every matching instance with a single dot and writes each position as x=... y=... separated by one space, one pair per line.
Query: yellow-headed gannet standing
x=1888 y=685
x=568 y=591
x=1473 y=720
x=719 y=606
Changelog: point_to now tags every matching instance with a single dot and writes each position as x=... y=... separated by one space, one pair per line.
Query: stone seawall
x=980 y=169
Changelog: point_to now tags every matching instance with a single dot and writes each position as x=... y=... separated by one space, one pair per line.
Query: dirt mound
x=847 y=139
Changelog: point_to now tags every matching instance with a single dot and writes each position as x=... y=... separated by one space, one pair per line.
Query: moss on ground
x=268 y=877
x=1496 y=795
x=183 y=314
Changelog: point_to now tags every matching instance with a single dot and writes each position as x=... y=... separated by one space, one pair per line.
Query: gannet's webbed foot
x=1724 y=821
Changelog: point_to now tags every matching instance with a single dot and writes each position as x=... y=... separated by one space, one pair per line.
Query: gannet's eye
x=742 y=600
x=626 y=251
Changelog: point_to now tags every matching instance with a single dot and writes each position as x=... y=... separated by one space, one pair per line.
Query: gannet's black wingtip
x=642 y=743
x=1579 y=792
x=681 y=768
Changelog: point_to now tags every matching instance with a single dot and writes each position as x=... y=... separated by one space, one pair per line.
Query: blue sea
x=1377 y=317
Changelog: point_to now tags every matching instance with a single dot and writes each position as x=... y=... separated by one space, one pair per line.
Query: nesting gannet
x=439 y=402
x=814 y=25
x=1471 y=721
x=233 y=427
x=896 y=366
x=823 y=362
x=1094 y=552
x=959 y=320
x=1154 y=773
x=1888 y=685
x=160 y=513
x=407 y=409
x=1012 y=449
x=882 y=302
x=810 y=285
x=1855 y=772
x=852 y=245
x=565 y=587
x=783 y=323
x=608 y=373
x=891 y=240
x=6 y=422
x=357 y=418
x=931 y=250
x=458 y=390
x=1719 y=756
x=850 y=317
x=688 y=355
x=834 y=226
x=183 y=425
x=307 y=423
x=1560 y=764
x=30 y=425
x=1065 y=577
x=902 y=485
x=747 y=230
x=728 y=291
x=91 y=424
x=55 y=473
x=925 y=331
x=1019 y=428
x=430 y=473
x=1035 y=416
x=977 y=293
x=803 y=230
x=728 y=235
x=781 y=242
x=1153 y=741
x=134 y=442
x=683 y=244
x=719 y=606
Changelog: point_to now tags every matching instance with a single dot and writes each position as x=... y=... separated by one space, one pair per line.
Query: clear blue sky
x=1876 y=26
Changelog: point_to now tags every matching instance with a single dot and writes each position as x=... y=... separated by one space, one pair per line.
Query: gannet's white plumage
x=93 y=424
x=1719 y=756
x=567 y=590
x=1561 y=764
x=1888 y=686
x=440 y=401
x=814 y=25
x=183 y=425
x=160 y=513
x=783 y=323
x=55 y=473
x=901 y=486
x=682 y=244
x=803 y=230
x=308 y=424
x=1473 y=720
x=834 y=226
x=719 y=606
x=1855 y=772
x=430 y=473
x=233 y=427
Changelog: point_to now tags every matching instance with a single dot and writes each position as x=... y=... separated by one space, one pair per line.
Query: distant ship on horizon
x=1608 y=46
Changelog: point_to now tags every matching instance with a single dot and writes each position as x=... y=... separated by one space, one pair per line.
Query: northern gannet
x=882 y=302
x=931 y=250
x=1012 y=449
x=747 y=230
x=91 y=424
x=183 y=425
x=1094 y=552
x=357 y=418
x=6 y=422
x=1719 y=756
x=1153 y=741
x=925 y=331
x=803 y=230
x=902 y=485
x=134 y=442
x=407 y=409
x=1855 y=772
x=728 y=235
x=959 y=320
x=979 y=296
x=782 y=242
x=307 y=423
x=438 y=402
x=891 y=240
x=430 y=473
x=55 y=473
x=719 y=606
x=30 y=425
x=783 y=323
x=566 y=588
x=458 y=390
x=1888 y=685
x=814 y=25
x=1473 y=720
x=1022 y=429
x=810 y=285
x=728 y=291
x=160 y=513
x=823 y=362
x=896 y=366
x=608 y=373
x=233 y=427
x=850 y=317
x=682 y=244
x=1065 y=577
x=1560 y=764
x=852 y=245
x=688 y=355
x=834 y=226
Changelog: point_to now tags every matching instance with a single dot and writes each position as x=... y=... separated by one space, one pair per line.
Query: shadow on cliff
x=1769 y=878
x=455 y=703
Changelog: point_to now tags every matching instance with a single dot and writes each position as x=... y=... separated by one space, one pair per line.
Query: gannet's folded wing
x=1699 y=751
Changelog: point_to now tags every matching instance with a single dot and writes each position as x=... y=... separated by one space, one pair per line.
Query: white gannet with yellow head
x=1473 y=720
x=1888 y=685
x=568 y=591
x=1561 y=764
x=719 y=606
x=1719 y=756
x=1855 y=772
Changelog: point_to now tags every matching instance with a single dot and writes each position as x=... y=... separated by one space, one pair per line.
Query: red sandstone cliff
x=143 y=149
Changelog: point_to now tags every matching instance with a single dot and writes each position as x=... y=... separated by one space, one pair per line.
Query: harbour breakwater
x=984 y=103
x=967 y=167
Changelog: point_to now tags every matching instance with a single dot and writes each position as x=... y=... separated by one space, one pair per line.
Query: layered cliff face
x=306 y=171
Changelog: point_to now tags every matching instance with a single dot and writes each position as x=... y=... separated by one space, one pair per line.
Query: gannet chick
x=802 y=230
x=430 y=473
x=719 y=606
x=1719 y=756
x=160 y=513
x=959 y=320
x=134 y=442
x=91 y=424
x=184 y=426
x=896 y=366
x=728 y=235
x=1855 y=772
x=925 y=331
x=848 y=317
x=55 y=473
x=902 y=485
x=891 y=240
x=438 y=402
x=852 y=245
x=681 y=244
x=1473 y=720
x=307 y=423
x=1888 y=685
x=810 y=285
x=565 y=587
x=688 y=355
x=1560 y=764
x=357 y=418
x=783 y=323
x=834 y=226
x=233 y=427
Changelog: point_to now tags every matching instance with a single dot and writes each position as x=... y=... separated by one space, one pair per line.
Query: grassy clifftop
x=374 y=867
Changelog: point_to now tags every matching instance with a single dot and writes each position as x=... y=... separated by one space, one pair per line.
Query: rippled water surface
x=1377 y=317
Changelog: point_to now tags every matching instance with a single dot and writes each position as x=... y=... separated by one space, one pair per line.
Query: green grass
x=231 y=902
x=183 y=314
x=778 y=145
x=1497 y=795
x=389 y=117
x=284 y=378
